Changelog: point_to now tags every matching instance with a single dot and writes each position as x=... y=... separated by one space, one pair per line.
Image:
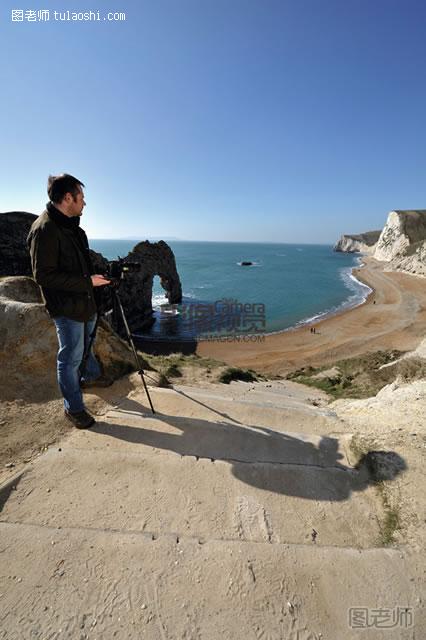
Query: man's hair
x=58 y=186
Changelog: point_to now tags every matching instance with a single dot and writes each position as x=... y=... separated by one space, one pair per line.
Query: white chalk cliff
x=363 y=242
x=402 y=242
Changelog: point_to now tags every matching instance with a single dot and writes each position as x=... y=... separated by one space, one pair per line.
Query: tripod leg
x=132 y=344
x=88 y=347
x=140 y=372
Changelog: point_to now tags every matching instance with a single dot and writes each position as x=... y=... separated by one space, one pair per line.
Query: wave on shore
x=359 y=295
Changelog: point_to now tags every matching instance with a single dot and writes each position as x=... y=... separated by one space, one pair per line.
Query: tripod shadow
x=258 y=456
x=222 y=414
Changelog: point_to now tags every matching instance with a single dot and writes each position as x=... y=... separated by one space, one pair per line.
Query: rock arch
x=156 y=259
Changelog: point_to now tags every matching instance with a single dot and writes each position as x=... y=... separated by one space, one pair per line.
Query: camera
x=117 y=269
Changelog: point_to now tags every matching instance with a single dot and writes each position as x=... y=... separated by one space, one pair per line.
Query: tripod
x=117 y=303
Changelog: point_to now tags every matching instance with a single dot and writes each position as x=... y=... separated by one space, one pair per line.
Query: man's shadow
x=260 y=457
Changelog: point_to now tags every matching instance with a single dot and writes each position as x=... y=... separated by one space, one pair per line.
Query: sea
x=284 y=286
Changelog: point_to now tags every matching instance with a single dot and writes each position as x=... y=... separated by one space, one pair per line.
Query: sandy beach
x=393 y=317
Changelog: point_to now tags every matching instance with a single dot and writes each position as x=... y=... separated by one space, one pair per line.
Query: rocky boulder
x=28 y=345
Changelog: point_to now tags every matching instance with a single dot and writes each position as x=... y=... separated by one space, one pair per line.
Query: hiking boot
x=102 y=381
x=81 y=419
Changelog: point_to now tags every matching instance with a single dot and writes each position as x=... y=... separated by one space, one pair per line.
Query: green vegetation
x=392 y=520
x=163 y=381
x=363 y=450
x=178 y=365
x=180 y=361
x=234 y=373
x=188 y=367
x=117 y=369
x=173 y=371
x=360 y=377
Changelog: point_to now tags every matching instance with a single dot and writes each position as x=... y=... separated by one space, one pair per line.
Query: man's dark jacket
x=61 y=265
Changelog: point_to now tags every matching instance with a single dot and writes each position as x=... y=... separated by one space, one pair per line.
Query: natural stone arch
x=156 y=259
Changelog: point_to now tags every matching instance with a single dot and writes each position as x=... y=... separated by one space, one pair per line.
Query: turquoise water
x=295 y=283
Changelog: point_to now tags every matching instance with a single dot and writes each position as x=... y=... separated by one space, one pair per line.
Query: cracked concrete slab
x=237 y=403
x=94 y=584
x=176 y=525
x=126 y=428
x=204 y=499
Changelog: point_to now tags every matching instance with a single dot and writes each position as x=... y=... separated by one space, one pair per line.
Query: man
x=62 y=267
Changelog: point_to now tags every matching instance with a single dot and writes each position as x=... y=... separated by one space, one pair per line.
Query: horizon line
x=217 y=241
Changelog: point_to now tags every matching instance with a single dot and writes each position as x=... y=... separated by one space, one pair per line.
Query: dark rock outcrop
x=14 y=256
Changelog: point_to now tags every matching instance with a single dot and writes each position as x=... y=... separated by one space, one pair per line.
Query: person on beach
x=62 y=267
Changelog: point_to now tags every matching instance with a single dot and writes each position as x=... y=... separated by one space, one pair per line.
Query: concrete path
x=234 y=512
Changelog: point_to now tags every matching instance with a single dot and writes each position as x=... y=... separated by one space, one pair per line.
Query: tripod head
x=118 y=269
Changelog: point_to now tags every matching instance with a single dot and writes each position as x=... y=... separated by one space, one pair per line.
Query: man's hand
x=99 y=280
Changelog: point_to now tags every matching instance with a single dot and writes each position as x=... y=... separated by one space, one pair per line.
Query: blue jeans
x=73 y=337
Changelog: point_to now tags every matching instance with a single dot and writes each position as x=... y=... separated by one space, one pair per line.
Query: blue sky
x=285 y=121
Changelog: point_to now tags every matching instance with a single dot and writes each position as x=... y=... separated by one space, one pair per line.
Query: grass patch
x=117 y=369
x=392 y=520
x=359 y=377
x=382 y=468
x=180 y=361
x=177 y=365
x=188 y=367
x=173 y=371
x=163 y=381
x=235 y=373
